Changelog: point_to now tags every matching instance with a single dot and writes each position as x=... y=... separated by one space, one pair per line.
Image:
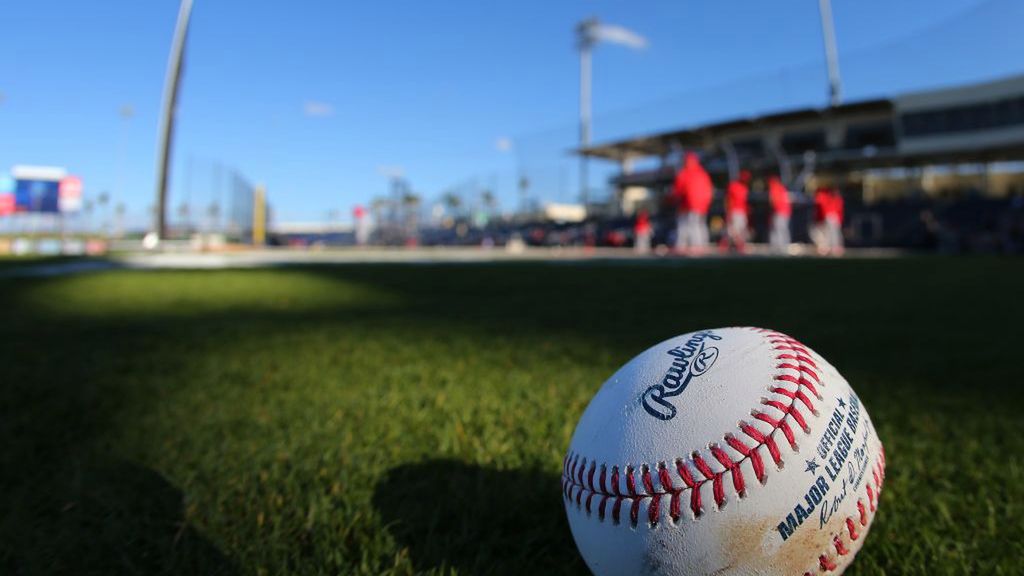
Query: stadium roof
x=663 y=142
x=978 y=121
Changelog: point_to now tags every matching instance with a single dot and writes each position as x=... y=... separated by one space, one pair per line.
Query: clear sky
x=317 y=99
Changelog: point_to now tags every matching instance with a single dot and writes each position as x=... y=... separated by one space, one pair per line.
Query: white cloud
x=503 y=144
x=391 y=171
x=315 y=109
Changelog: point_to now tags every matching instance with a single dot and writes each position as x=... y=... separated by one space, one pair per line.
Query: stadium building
x=915 y=169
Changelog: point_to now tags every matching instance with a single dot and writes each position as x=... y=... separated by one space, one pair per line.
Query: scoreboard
x=40 y=189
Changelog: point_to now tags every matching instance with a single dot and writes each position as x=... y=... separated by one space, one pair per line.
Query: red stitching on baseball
x=851 y=527
x=702 y=466
x=737 y=474
x=646 y=479
x=695 y=504
x=652 y=510
x=718 y=490
x=841 y=548
x=665 y=478
x=755 y=457
x=684 y=473
x=795 y=394
x=802 y=358
x=634 y=512
x=675 y=506
x=798 y=367
x=791 y=350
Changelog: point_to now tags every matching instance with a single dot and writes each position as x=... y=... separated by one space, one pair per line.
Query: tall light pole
x=167 y=118
x=126 y=112
x=588 y=34
x=828 y=32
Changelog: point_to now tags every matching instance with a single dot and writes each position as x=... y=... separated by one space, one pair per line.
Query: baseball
x=724 y=451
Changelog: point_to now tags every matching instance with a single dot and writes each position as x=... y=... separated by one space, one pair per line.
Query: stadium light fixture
x=171 y=84
x=588 y=34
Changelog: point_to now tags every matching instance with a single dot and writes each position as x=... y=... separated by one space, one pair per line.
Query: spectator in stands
x=782 y=209
x=828 y=217
x=736 y=213
x=642 y=233
x=692 y=192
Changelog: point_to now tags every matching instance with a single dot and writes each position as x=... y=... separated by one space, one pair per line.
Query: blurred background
x=222 y=125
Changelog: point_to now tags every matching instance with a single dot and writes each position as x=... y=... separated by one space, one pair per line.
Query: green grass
x=380 y=419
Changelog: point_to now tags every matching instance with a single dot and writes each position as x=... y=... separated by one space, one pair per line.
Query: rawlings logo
x=691 y=359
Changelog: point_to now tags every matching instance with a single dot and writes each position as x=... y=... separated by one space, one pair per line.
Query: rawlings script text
x=693 y=358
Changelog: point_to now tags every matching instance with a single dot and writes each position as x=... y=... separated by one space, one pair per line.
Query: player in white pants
x=782 y=208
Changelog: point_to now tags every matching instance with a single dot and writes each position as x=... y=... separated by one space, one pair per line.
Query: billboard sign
x=69 y=194
x=6 y=195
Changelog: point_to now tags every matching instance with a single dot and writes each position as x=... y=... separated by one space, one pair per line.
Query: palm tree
x=410 y=206
x=213 y=212
x=101 y=202
x=489 y=200
x=452 y=201
x=183 y=211
x=119 y=211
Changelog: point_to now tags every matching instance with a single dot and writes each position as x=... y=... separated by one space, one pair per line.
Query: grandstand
x=904 y=163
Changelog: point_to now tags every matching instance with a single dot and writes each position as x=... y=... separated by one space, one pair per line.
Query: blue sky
x=316 y=99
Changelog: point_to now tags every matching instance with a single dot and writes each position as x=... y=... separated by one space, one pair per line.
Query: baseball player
x=736 y=213
x=642 y=231
x=782 y=209
x=828 y=216
x=692 y=191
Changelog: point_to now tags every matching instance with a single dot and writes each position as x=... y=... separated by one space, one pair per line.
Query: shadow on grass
x=108 y=519
x=478 y=520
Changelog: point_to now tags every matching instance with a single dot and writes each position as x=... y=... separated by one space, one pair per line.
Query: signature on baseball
x=691 y=359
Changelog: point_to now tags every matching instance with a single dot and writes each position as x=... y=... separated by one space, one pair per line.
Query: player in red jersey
x=737 y=213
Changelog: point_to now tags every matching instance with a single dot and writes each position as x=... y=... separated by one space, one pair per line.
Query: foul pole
x=171 y=84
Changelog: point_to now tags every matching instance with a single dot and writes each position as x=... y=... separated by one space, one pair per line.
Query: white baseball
x=725 y=451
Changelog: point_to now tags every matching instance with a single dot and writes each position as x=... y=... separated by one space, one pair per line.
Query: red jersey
x=837 y=205
x=828 y=203
x=643 y=223
x=778 y=196
x=821 y=204
x=692 y=187
x=736 y=197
